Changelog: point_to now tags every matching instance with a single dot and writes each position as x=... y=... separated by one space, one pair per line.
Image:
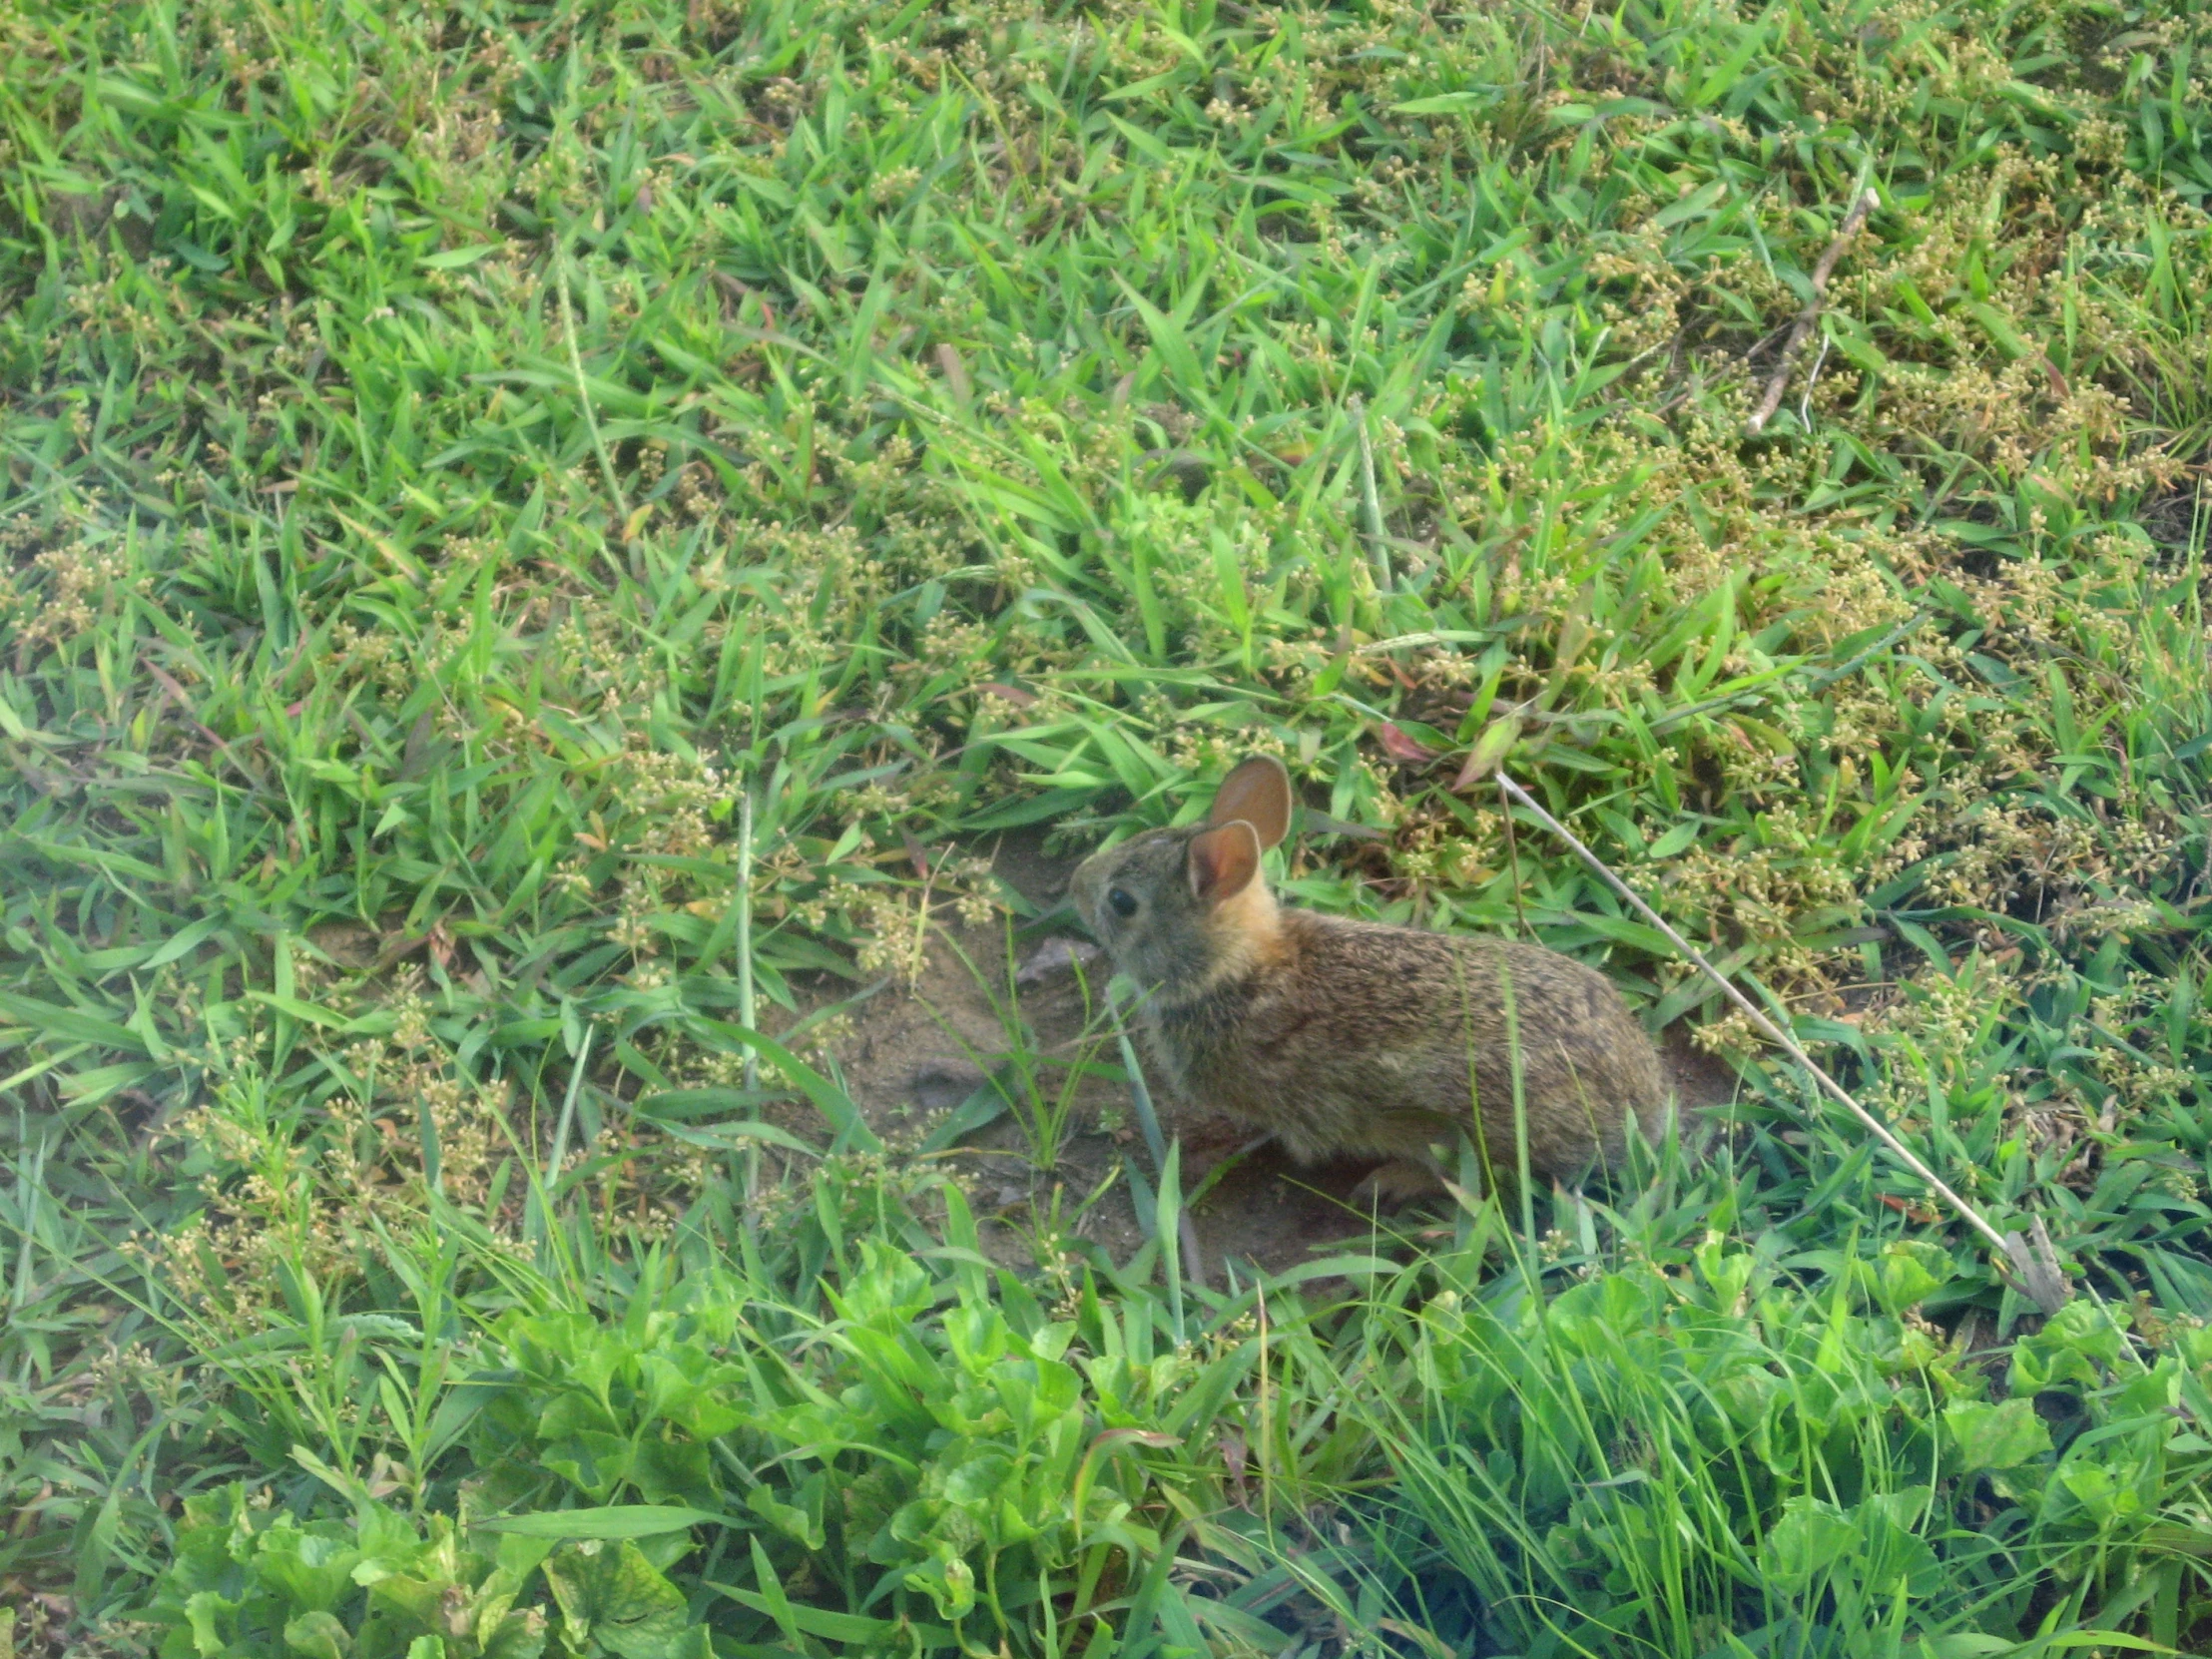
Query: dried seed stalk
x=1810 y=315
x=2033 y=1260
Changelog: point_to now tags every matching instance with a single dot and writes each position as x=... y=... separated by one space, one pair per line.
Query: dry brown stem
x=1852 y=220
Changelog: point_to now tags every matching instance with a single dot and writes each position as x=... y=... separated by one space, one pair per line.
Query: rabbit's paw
x=1396 y=1182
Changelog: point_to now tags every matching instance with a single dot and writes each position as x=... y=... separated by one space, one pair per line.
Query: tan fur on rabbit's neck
x=1244 y=932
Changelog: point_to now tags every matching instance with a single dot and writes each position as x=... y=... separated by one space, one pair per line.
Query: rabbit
x=1350 y=1039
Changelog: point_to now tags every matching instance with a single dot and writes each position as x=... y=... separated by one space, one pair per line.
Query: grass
x=1715 y=1460
x=453 y=454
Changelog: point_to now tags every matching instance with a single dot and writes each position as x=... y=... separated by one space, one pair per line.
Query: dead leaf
x=955 y=372
x=1233 y=1455
x=1400 y=747
x=1056 y=955
x=916 y=853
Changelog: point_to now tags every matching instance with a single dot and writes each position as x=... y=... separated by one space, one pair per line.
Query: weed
x=1645 y=1462
x=451 y=459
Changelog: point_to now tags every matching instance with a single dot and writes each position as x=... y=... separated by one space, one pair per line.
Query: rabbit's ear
x=1258 y=791
x=1222 y=860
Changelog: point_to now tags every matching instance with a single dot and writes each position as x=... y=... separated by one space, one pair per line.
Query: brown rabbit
x=1352 y=1038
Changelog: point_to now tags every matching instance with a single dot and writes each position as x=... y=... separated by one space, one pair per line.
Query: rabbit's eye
x=1124 y=904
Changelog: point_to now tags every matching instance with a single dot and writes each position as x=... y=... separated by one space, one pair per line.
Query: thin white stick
x=744 y=929
x=583 y=391
x=568 y=1110
x=2036 y=1265
x=1812 y=380
x=1370 y=500
x=745 y=982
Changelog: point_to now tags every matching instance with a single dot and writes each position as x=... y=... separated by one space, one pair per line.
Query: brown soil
x=910 y=1057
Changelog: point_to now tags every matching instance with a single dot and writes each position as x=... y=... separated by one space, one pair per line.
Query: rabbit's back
x=1355 y=1038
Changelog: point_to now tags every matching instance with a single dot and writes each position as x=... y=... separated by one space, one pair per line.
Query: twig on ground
x=1370 y=500
x=1866 y=203
x=1805 y=403
x=567 y=1113
x=583 y=392
x=746 y=1009
x=2033 y=1260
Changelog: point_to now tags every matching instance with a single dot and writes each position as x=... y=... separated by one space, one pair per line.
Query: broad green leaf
x=608 y=1593
x=610 y=1521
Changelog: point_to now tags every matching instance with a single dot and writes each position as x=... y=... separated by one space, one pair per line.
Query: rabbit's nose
x=1083 y=894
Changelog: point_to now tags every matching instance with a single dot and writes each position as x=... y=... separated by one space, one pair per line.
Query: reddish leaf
x=916 y=853
x=1400 y=747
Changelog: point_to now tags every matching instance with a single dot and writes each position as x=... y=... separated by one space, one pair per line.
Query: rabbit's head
x=1180 y=909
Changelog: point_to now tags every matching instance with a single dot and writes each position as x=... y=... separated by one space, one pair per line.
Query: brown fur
x=1348 y=1039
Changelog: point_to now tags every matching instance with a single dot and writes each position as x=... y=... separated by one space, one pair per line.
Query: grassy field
x=534 y=538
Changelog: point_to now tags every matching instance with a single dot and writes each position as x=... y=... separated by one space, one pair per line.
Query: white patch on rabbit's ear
x=1257 y=791
x=1222 y=860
